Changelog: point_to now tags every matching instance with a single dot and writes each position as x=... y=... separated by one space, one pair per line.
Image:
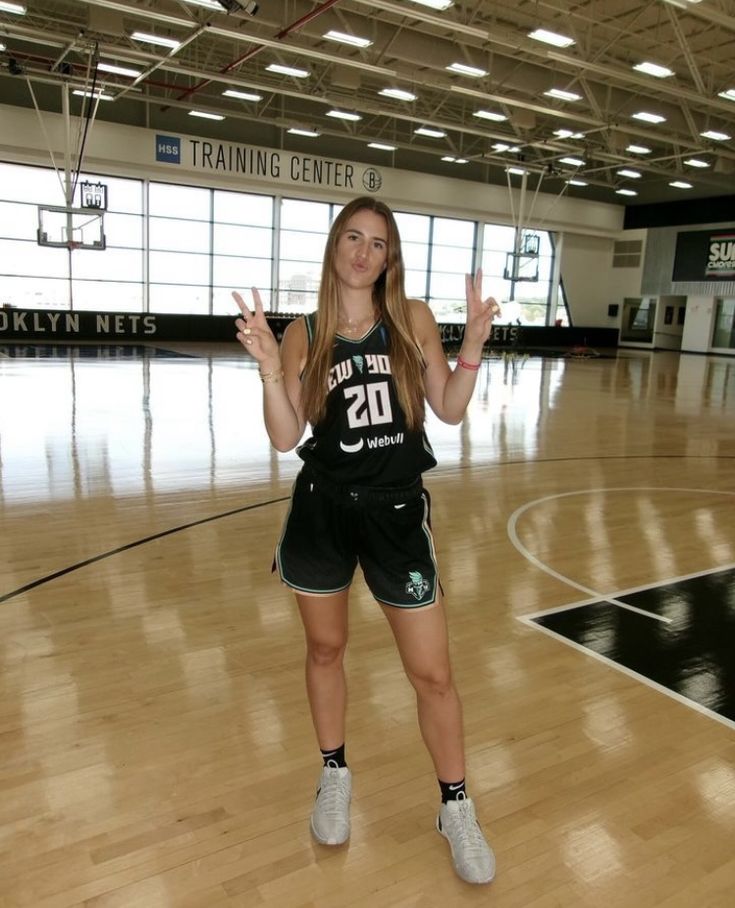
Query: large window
x=525 y=302
x=303 y=233
x=43 y=277
x=452 y=257
x=242 y=247
x=184 y=249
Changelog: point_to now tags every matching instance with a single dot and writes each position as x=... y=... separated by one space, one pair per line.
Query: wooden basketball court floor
x=155 y=742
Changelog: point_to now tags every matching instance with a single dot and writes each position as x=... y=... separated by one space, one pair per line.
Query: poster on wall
x=705 y=255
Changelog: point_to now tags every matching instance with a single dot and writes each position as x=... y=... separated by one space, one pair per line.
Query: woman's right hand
x=255 y=335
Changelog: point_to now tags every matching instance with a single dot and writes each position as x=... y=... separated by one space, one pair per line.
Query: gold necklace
x=353 y=326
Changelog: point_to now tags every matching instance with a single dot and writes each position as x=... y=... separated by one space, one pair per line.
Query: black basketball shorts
x=330 y=529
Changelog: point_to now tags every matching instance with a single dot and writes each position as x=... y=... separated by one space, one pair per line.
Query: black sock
x=451 y=790
x=336 y=756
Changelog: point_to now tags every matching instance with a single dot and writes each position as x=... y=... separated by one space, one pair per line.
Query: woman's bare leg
x=421 y=636
x=326 y=628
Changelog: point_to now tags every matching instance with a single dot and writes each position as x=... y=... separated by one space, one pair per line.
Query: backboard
x=71 y=228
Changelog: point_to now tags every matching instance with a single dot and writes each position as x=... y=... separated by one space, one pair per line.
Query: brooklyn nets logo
x=417 y=586
x=372 y=180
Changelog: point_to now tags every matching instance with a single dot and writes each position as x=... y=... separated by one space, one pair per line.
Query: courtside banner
x=705 y=255
x=55 y=325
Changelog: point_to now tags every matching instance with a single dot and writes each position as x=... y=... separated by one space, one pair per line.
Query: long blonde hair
x=389 y=297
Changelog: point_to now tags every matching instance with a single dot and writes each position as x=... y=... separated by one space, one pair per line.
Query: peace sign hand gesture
x=255 y=335
x=480 y=313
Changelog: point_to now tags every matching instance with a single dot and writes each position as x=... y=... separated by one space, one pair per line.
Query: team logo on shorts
x=417 y=587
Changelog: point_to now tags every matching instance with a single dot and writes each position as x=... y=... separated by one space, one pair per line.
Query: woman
x=359 y=371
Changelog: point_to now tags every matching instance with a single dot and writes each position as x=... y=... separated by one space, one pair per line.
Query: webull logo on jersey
x=385 y=441
x=721 y=255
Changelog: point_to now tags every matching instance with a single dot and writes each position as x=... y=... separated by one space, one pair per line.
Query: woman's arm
x=448 y=392
x=280 y=370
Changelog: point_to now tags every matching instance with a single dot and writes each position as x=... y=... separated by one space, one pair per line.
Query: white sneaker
x=330 y=819
x=473 y=858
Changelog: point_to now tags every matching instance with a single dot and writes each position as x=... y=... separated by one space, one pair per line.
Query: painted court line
x=669 y=581
x=594 y=595
x=680 y=698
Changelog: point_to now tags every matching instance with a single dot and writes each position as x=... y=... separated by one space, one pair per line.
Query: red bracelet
x=473 y=367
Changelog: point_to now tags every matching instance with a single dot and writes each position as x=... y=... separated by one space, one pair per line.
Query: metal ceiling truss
x=411 y=48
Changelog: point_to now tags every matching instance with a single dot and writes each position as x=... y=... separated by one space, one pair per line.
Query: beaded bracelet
x=473 y=367
x=271 y=377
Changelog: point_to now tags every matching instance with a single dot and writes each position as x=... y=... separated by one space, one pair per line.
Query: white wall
x=591 y=283
x=130 y=151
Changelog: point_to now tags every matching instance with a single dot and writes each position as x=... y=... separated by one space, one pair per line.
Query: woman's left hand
x=480 y=312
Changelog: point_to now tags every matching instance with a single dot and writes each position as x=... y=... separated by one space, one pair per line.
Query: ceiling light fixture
x=431 y=133
x=207 y=4
x=648 y=117
x=465 y=70
x=574 y=162
x=287 y=70
x=236 y=6
x=541 y=34
x=626 y=192
x=653 y=69
x=242 y=95
x=715 y=136
x=204 y=115
x=435 y=4
x=298 y=131
x=680 y=184
x=448 y=159
x=381 y=147
x=562 y=95
x=118 y=70
x=638 y=149
x=518 y=171
x=577 y=183
x=729 y=95
x=147 y=38
x=16 y=8
x=343 y=115
x=631 y=174
x=398 y=93
x=696 y=162
x=344 y=38
x=489 y=115
x=568 y=134
x=95 y=95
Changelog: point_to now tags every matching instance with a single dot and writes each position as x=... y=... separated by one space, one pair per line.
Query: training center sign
x=705 y=255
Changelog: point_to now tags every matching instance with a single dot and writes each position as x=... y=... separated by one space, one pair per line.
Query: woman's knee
x=432 y=681
x=325 y=652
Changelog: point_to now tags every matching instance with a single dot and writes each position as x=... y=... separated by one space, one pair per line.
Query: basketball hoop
x=72 y=245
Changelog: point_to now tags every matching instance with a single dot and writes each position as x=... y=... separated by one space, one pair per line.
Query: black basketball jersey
x=363 y=439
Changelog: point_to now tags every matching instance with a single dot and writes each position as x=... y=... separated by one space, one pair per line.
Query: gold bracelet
x=271 y=377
